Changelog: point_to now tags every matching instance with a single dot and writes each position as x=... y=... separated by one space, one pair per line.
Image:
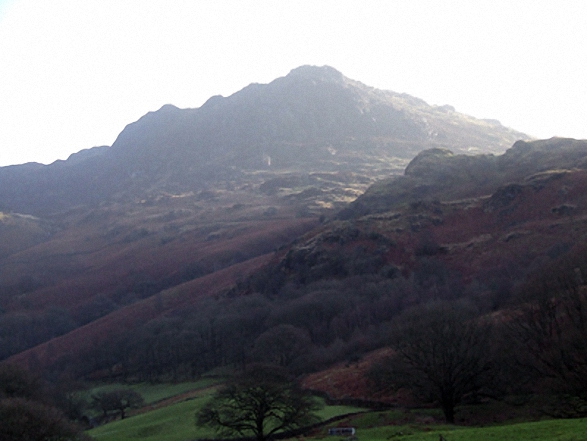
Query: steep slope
x=475 y=216
x=183 y=196
x=475 y=237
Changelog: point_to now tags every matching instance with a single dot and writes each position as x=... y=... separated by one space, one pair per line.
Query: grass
x=386 y=426
x=551 y=430
x=153 y=393
x=175 y=422
x=170 y=423
x=331 y=411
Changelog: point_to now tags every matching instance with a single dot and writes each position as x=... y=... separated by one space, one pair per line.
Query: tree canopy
x=26 y=411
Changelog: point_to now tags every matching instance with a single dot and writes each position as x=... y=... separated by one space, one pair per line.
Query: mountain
x=474 y=228
x=312 y=120
x=225 y=210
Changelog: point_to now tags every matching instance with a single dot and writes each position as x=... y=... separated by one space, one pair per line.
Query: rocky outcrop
x=441 y=174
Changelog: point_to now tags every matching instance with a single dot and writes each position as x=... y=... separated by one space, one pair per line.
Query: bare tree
x=260 y=403
x=548 y=336
x=442 y=354
x=117 y=400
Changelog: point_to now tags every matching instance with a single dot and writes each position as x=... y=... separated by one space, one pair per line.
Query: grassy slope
x=154 y=393
x=171 y=423
x=175 y=422
x=392 y=425
x=551 y=430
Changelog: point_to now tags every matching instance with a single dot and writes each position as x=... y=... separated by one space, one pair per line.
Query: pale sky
x=73 y=73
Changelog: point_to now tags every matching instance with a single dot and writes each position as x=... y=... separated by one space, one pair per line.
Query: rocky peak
x=323 y=73
x=428 y=162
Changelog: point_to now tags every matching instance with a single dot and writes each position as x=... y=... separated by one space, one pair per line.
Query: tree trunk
x=449 y=412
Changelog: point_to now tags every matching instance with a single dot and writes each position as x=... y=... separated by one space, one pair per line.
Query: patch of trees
x=28 y=412
x=22 y=330
x=447 y=354
x=117 y=401
x=547 y=332
x=301 y=327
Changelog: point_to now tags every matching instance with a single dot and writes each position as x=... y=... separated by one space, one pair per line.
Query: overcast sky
x=73 y=73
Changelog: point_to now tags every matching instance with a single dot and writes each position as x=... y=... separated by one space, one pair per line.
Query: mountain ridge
x=314 y=118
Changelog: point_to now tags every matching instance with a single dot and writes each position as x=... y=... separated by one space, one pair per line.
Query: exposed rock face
x=313 y=119
x=503 y=197
x=441 y=174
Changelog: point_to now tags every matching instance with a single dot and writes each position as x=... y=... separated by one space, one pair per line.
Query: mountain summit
x=313 y=119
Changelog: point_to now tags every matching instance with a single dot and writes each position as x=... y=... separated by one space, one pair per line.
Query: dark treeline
x=25 y=329
x=300 y=326
x=28 y=327
x=449 y=353
x=31 y=409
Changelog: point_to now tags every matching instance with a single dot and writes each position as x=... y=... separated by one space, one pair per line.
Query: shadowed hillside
x=482 y=227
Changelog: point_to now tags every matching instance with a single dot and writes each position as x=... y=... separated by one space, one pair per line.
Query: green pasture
x=176 y=422
x=153 y=393
x=369 y=428
x=551 y=430
x=170 y=423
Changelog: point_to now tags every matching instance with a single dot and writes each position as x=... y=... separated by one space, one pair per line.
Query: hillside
x=472 y=215
x=185 y=193
x=479 y=235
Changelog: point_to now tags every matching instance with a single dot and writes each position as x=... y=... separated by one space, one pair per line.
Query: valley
x=312 y=224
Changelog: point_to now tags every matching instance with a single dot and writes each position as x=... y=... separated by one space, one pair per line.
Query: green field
x=551 y=430
x=153 y=393
x=369 y=428
x=176 y=422
x=170 y=423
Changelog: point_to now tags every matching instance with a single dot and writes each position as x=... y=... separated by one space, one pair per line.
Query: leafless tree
x=260 y=403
